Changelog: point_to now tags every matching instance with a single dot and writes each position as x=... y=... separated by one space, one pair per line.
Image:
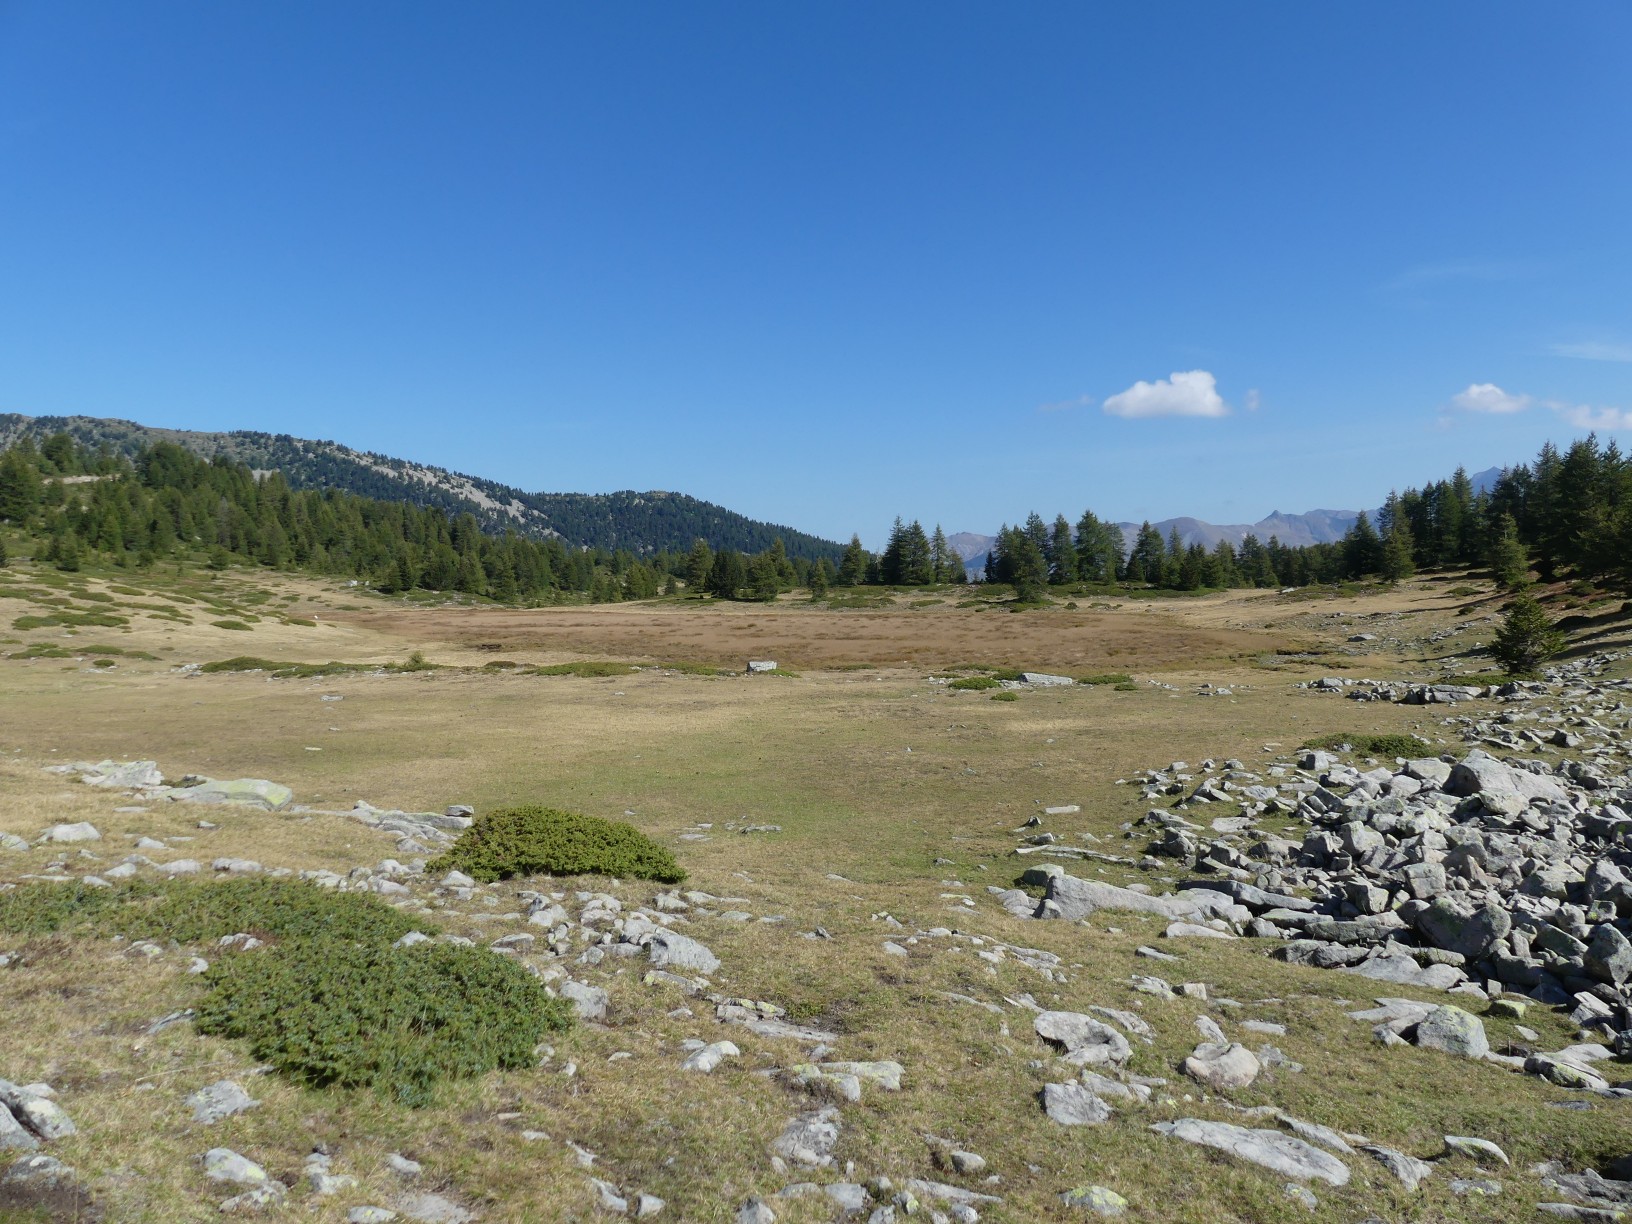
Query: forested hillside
x=643 y=524
x=69 y=506
x=1566 y=513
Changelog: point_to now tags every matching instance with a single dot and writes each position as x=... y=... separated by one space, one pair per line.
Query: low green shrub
x=1106 y=678
x=231 y=624
x=1129 y=687
x=588 y=669
x=104 y=620
x=975 y=682
x=1007 y=695
x=365 y=1015
x=39 y=907
x=534 y=840
x=1373 y=745
x=269 y=909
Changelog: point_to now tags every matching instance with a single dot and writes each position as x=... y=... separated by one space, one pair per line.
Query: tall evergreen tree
x=853 y=565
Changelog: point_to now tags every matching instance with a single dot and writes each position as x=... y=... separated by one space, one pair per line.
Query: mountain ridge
x=641 y=522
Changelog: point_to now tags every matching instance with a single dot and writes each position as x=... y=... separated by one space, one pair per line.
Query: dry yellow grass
x=873 y=775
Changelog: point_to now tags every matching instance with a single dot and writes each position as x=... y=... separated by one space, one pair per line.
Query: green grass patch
x=976 y=682
x=1462 y=592
x=101 y=620
x=1127 y=687
x=284 y=670
x=332 y=1012
x=588 y=668
x=231 y=624
x=1106 y=678
x=1373 y=745
x=534 y=840
x=1006 y=695
x=42 y=650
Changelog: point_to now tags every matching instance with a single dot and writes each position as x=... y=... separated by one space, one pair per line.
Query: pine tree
x=20 y=486
x=1509 y=563
x=1062 y=553
x=1527 y=638
x=1397 y=562
x=698 y=563
x=5 y=558
x=1362 y=549
x=941 y=557
x=818 y=580
x=853 y=566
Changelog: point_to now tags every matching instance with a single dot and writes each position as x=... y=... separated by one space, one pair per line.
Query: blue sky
x=826 y=264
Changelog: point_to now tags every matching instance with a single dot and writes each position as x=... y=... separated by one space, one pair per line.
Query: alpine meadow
x=917 y=775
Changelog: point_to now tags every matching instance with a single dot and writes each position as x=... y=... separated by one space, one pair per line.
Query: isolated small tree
x=1509 y=563
x=1527 y=638
x=5 y=558
x=818 y=580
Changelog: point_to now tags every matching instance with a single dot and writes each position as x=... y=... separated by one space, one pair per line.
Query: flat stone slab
x=1282 y=1154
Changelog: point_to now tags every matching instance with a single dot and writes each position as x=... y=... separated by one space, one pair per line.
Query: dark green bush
x=276 y=909
x=39 y=907
x=333 y=1012
x=590 y=668
x=533 y=840
x=1374 y=745
x=1006 y=696
x=974 y=682
x=1106 y=678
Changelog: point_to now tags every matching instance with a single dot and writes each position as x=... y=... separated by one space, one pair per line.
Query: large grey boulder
x=1479 y=773
x=1467 y=929
x=1281 y=1154
x=1074 y=1105
x=1071 y=898
x=250 y=792
x=1090 y=1041
x=1609 y=956
x=1453 y=1030
x=671 y=950
x=1222 y=1065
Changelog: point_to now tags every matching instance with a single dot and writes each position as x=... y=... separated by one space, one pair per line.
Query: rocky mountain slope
x=643 y=523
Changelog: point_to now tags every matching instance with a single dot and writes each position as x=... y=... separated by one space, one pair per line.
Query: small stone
x=223 y=1164
x=710 y=1056
x=220 y=1100
x=1465 y=1145
x=1097 y=1199
x=82 y=831
x=967 y=1162
x=1074 y=1105
x=755 y=1210
x=370 y=1215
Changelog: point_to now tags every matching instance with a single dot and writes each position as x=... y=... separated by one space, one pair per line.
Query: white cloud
x=1583 y=417
x=1191 y=394
x=1488 y=397
x=1594 y=350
